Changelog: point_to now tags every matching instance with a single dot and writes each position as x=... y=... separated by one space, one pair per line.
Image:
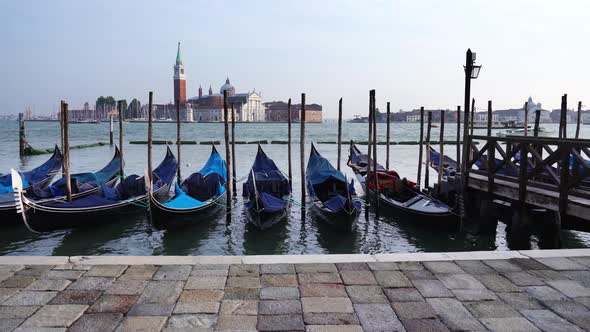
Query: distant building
x=278 y=111
x=517 y=114
x=179 y=79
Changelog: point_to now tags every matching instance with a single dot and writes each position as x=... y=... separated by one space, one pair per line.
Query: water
x=297 y=235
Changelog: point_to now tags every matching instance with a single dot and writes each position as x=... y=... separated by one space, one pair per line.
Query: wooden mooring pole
x=458 y=136
x=579 y=120
x=471 y=123
x=526 y=118
x=421 y=141
x=150 y=136
x=387 y=141
x=66 y=151
x=233 y=150
x=339 y=132
x=21 y=134
x=228 y=187
x=61 y=128
x=302 y=150
x=120 y=110
x=289 y=141
x=178 y=142
x=441 y=159
x=490 y=118
x=537 y=120
x=111 y=128
x=369 y=166
x=427 y=167
x=563 y=117
x=376 y=177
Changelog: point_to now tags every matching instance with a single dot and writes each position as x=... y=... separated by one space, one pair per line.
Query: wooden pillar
x=178 y=142
x=472 y=116
x=21 y=134
x=120 y=110
x=376 y=177
x=61 y=128
x=490 y=115
x=67 y=152
x=228 y=186
x=233 y=149
x=427 y=168
x=339 y=132
x=150 y=135
x=579 y=120
x=458 y=135
x=302 y=150
x=537 y=119
x=563 y=117
x=369 y=166
x=111 y=128
x=441 y=160
x=387 y=141
x=526 y=118
x=289 y=141
x=421 y=141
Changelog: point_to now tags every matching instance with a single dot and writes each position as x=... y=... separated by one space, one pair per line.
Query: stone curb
x=290 y=259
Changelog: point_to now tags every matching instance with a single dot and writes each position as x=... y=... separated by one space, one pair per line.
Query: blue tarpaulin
x=271 y=185
x=320 y=170
x=47 y=169
x=182 y=201
x=209 y=182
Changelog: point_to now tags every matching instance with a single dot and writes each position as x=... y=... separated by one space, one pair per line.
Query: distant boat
x=520 y=132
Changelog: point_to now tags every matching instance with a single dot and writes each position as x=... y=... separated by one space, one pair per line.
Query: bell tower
x=179 y=79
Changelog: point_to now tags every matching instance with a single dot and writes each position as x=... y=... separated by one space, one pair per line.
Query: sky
x=410 y=52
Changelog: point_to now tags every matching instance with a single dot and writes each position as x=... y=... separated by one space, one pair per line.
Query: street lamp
x=471 y=72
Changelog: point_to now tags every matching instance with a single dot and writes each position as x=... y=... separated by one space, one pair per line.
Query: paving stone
x=127 y=287
x=377 y=317
x=443 y=267
x=326 y=304
x=11 y=268
x=280 y=323
x=523 y=278
x=391 y=279
x=6 y=293
x=548 y=275
x=528 y=264
x=48 y=285
x=432 y=288
x=583 y=277
x=35 y=270
x=277 y=269
x=10 y=324
x=511 y=324
x=30 y=298
x=383 y=266
x=474 y=267
x=239 y=307
x=410 y=266
x=200 y=295
x=459 y=281
x=13 y=312
x=413 y=310
x=40 y=329
x=5 y=275
x=351 y=266
x=236 y=323
x=192 y=321
x=497 y=283
x=106 y=271
x=17 y=281
x=173 y=272
x=570 y=288
x=139 y=272
x=279 y=293
x=91 y=283
x=101 y=322
x=143 y=324
x=419 y=275
x=333 y=328
x=278 y=280
x=63 y=274
x=402 y=295
x=547 y=321
x=322 y=290
x=113 y=304
x=360 y=277
x=424 y=325
x=490 y=309
x=76 y=297
x=243 y=282
x=477 y=294
x=212 y=282
x=315 y=268
x=161 y=292
x=333 y=318
x=583 y=300
x=366 y=294
x=319 y=278
x=454 y=314
x=151 y=309
x=244 y=270
x=217 y=267
x=209 y=273
x=582 y=260
x=562 y=263
x=241 y=294
x=572 y=311
x=55 y=316
x=502 y=265
x=196 y=308
x=545 y=293
x=283 y=307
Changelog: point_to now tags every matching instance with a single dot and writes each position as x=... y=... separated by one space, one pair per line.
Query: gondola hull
x=264 y=219
x=343 y=220
x=163 y=217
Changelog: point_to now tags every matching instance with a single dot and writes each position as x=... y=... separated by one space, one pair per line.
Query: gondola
x=333 y=199
x=400 y=196
x=35 y=179
x=450 y=167
x=199 y=196
x=107 y=205
x=266 y=192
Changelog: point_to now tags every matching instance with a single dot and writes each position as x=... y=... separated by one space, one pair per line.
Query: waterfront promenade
x=468 y=291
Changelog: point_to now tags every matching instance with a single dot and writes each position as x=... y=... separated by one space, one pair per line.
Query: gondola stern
x=19 y=198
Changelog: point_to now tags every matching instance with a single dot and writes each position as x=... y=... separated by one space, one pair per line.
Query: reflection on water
x=298 y=233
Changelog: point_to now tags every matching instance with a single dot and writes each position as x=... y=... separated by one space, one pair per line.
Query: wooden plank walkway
x=364 y=294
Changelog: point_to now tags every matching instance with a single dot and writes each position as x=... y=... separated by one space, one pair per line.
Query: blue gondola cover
x=271 y=185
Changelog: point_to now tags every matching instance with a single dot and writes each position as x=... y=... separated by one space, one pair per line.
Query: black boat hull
x=342 y=219
x=265 y=220
x=9 y=217
x=163 y=217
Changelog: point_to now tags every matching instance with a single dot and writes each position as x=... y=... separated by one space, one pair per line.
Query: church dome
x=227 y=86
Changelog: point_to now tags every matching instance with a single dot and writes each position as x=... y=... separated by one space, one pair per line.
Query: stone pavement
x=511 y=294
